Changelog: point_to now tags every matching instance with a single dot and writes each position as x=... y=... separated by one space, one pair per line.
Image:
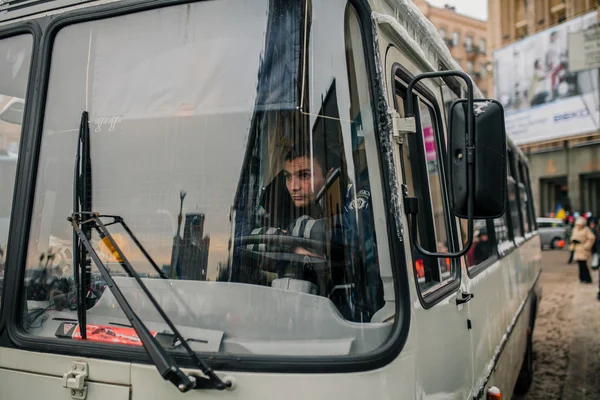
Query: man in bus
x=325 y=208
x=305 y=179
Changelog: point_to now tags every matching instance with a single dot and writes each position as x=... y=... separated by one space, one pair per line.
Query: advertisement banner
x=543 y=99
x=584 y=49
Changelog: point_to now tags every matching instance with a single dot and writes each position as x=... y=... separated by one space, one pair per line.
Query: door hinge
x=469 y=324
x=402 y=126
x=74 y=380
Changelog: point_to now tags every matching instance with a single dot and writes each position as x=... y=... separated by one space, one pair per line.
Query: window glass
x=513 y=197
x=482 y=248
x=524 y=191
x=501 y=228
x=455 y=38
x=15 y=61
x=232 y=138
x=424 y=179
x=530 y=208
x=513 y=207
x=443 y=33
x=524 y=203
x=469 y=42
x=482 y=45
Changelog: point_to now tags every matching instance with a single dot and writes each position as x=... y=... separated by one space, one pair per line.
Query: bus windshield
x=237 y=140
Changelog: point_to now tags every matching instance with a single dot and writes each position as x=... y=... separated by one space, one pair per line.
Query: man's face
x=483 y=237
x=299 y=175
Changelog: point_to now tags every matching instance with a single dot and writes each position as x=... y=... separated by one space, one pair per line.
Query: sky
x=472 y=8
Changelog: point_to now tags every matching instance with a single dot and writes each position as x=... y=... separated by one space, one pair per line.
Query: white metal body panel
x=31 y=375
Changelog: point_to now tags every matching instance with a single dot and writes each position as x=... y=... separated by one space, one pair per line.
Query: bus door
x=445 y=361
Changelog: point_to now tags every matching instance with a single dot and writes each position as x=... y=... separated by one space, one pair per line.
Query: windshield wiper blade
x=164 y=363
x=82 y=202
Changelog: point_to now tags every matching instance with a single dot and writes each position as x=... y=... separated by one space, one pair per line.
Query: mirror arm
x=411 y=204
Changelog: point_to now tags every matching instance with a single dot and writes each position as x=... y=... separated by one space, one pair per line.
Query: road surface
x=567 y=334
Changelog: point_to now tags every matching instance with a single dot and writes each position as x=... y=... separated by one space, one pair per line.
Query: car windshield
x=237 y=141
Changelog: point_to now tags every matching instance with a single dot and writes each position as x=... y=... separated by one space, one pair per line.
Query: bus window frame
x=399 y=78
x=534 y=227
x=18 y=198
x=524 y=174
x=512 y=156
x=28 y=172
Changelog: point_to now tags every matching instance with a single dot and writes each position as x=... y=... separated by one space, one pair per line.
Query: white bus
x=355 y=220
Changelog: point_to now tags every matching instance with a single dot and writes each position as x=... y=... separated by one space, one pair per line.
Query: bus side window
x=422 y=163
x=528 y=189
x=513 y=198
x=502 y=225
x=525 y=196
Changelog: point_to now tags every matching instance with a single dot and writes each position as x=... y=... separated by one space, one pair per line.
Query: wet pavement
x=567 y=334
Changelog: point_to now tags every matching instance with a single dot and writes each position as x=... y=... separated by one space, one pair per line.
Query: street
x=567 y=334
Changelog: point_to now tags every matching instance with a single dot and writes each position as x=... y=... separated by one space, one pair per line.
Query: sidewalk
x=583 y=372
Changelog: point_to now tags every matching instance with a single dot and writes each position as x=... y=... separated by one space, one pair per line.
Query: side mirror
x=477 y=160
x=489 y=194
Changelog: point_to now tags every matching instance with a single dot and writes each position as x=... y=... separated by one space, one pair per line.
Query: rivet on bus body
x=494 y=393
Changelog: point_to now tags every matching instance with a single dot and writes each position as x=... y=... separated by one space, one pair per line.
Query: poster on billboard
x=543 y=99
x=584 y=49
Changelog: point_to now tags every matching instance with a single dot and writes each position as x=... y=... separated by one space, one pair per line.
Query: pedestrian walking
x=583 y=240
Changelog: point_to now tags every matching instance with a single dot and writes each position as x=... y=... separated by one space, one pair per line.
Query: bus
x=300 y=199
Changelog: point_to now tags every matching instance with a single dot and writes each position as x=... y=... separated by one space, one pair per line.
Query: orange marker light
x=494 y=393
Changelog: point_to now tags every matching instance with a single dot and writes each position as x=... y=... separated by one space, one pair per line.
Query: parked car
x=553 y=232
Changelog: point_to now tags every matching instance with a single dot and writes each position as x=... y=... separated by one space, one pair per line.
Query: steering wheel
x=283 y=241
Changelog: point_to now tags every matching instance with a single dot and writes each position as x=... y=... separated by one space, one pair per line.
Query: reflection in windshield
x=233 y=140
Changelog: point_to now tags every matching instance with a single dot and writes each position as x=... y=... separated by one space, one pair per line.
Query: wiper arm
x=166 y=366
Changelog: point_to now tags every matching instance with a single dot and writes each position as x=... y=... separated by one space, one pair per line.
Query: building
x=511 y=20
x=467 y=39
x=552 y=113
x=191 y=251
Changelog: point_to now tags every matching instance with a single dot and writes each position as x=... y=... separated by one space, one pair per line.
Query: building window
x=469 y=42
x=469 y=67
x=483 y=68
x=455 y=38
x=443 y=33
x=482 y=45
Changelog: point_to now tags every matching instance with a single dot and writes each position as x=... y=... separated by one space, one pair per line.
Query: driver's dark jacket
x=355 y=285
x=351 y=229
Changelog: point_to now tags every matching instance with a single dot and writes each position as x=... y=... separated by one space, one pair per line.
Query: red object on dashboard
x=110 y=334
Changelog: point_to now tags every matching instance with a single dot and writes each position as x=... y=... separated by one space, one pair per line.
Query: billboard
x=543 y=99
